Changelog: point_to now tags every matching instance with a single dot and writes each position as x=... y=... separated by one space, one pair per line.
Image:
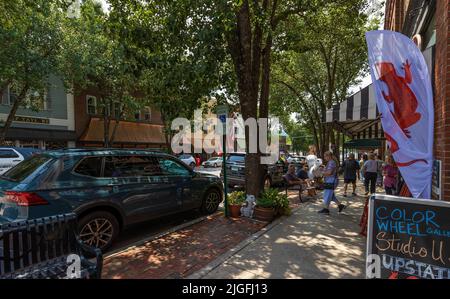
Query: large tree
x=30 y=46
x=95 y=59
x=319 y=64
x=180 y=66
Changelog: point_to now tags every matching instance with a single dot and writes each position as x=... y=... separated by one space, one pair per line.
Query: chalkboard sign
x=408 y=238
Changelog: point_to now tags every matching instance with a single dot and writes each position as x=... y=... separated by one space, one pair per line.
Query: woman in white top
x=311 y=160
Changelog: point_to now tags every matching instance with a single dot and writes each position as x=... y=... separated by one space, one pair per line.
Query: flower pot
x=264 y=214
x=235 y=210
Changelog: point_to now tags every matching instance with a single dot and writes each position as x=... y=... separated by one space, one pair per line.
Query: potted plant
x=265 y=205
x=271 y=204
x=282 y=205
x=235 y=201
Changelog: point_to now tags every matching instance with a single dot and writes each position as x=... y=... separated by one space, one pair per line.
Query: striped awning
x=358 y=116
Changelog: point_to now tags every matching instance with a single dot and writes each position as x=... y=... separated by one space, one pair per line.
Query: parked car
x=11 y=156
x=108 y=189
x=235 y=166
x=213 y=162
x=188 y=160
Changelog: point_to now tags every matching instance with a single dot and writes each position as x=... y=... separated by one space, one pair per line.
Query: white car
x=11 y=156
x=188 y=160
x=213 y=162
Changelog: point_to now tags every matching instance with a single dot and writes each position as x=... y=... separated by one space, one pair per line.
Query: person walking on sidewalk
x=370 y=170
x=331 y=181
x=363 y=160
x=390 y=173
x=351 y=171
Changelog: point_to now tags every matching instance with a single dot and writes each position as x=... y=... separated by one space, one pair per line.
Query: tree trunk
x=113 y=133
x=106 y=120
x=12 y=114
x=240 y=48
x=167 y=133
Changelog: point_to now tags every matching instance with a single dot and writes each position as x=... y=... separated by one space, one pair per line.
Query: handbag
x=331 y=186
x=328 y=186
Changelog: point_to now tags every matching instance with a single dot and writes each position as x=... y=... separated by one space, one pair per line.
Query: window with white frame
x=148 y=114
x=33 y=99
x=5 y=97
x=117 y=110
x=91 y=105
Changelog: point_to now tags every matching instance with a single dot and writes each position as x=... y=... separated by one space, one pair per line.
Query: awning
x=40 y=134
x=363 y=144
x=358 y=116
x=127 y=132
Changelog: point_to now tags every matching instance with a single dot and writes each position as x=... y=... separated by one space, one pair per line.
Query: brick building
x=136 y=129
x=427 y=23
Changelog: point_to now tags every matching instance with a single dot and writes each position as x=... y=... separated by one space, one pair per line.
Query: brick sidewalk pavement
x=183 y=252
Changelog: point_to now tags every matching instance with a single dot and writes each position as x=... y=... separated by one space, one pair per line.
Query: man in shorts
x=351 y=172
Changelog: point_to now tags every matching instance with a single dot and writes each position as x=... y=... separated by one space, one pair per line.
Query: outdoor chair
x=41 y=248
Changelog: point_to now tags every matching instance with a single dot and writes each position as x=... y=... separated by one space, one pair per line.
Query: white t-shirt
x=311 y=160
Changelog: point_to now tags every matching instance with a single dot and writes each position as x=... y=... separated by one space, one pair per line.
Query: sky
x=377 y=7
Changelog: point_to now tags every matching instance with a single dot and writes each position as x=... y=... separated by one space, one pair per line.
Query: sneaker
x=345 y=195
x=341 y=207
x=354 y=194
x=324 y=211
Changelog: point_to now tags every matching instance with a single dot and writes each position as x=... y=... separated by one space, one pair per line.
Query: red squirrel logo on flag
x=404 y=101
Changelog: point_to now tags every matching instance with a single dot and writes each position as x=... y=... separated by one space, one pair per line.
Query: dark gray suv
x=235 y=164
x=108 y=189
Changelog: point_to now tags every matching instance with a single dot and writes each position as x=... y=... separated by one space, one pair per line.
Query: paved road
x=145 y=230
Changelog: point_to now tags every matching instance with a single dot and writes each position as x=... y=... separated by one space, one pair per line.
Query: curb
x=226 y=256
x=154 y=237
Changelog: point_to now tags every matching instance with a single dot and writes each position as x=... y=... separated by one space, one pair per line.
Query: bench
x=311 y=190
x=46 y=248
x=288 y=187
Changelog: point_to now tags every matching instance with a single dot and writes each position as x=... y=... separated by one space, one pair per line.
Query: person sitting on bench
x=292 y=179
x=302 y=174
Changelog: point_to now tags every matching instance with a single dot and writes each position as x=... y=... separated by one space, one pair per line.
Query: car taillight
x=25 y=199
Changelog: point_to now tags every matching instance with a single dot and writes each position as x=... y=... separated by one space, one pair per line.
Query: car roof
x=25 y=151
x=102 y=152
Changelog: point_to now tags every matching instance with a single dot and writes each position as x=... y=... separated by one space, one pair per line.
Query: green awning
x=363 y=143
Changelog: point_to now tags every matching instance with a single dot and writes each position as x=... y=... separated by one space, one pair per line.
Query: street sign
x=222 y=114
x=408 y=238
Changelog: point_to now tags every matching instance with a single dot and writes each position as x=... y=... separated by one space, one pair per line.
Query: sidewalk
x=182 y=252
x=304 y=245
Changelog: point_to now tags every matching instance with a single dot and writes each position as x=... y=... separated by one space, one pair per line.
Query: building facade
x=427 y=22
x=135 y=129
x=51 y=126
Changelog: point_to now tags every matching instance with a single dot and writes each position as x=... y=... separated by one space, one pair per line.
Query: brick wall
x=395 y=14
x=442 y=94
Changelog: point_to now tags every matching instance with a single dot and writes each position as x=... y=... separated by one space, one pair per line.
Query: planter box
x=264 y=214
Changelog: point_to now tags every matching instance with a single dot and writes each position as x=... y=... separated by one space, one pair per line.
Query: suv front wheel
x=98 y=229
x=211 y=201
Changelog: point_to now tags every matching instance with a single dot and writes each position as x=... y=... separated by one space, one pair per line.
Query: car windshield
x=22 y=170
x=185 y=156
x=236 y=159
